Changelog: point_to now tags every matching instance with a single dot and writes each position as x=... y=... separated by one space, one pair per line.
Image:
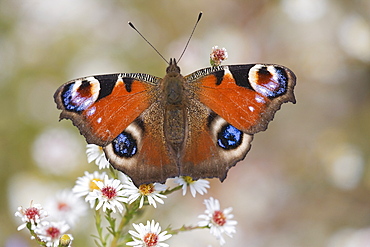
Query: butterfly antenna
x=191 y=35
x=133 y=27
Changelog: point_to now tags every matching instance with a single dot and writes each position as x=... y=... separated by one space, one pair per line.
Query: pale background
x=306 y=181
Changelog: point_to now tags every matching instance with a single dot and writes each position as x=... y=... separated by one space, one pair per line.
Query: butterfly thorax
x=174 y=115
x=173 y=84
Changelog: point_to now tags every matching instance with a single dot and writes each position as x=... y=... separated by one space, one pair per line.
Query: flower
x=219 y=221
x=66 y=206
x=86 y=184
x=95 y=152
x=65 y=240
x=109 y=194
x=150 y=191
x=195 y=186
x=57 y=151
x=34 y=214
x=50 y=232
x=217 y=56
x=148 y=236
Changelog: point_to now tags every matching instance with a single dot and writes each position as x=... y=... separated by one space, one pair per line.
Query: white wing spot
x=227 y=71
x=260 y=99
x=274 y=73
x=92 y=110
x=119 y=80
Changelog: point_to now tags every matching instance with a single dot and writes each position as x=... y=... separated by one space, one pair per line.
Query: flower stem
x=131 y=211
x=169 y=191
x=99 y=228
x=33 y=234
x=184 y=229
x=113 y=172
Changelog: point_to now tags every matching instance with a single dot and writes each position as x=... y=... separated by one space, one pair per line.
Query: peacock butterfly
x=199 y=125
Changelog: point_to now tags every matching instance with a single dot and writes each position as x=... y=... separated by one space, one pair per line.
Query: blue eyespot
x=283 y=82
x=124 y=145
x=74 y=101
x=229 y=137
x=67 y=99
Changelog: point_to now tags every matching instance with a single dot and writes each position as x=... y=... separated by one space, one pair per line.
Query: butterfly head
x=173 y=68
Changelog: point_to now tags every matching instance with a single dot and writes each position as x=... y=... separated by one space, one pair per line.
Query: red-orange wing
x=120 y=112
x=246 y=96
x=227 y=105
x=103 y=106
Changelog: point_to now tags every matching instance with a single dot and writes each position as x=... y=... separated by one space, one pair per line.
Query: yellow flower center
x=65 y=240
x=188 y=179
x=146 y=189
x=93 y=185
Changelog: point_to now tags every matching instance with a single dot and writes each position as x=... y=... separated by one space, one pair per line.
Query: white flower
x=109 y=194
x=57 y=151
x=66 y=206
x=149 y=191
x=219 y=221
x=34 y=214
x=50 y=232
x=148 y=235
x=95 y=152
x=195 y=186
x=86 y=184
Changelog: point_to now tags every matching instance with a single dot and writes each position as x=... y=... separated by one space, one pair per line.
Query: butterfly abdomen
x=174 y=127
x=174 y=108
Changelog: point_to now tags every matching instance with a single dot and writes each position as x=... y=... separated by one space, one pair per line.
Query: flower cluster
x=111 y=193
x=47 y=233
x=52 y=232
x=118 y=194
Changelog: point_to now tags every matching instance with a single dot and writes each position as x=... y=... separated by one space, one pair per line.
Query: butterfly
x=199 y=125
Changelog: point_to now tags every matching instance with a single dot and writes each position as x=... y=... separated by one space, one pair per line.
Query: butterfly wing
x=233 y=103
x=119 y=112
x=212 y=145
x=246 y=96
x=103 y=106
x=141 y=150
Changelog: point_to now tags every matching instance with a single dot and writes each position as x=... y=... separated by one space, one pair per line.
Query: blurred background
x=306 y=180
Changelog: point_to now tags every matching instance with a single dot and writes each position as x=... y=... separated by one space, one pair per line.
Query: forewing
x=246 y=96
x=103 y=106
